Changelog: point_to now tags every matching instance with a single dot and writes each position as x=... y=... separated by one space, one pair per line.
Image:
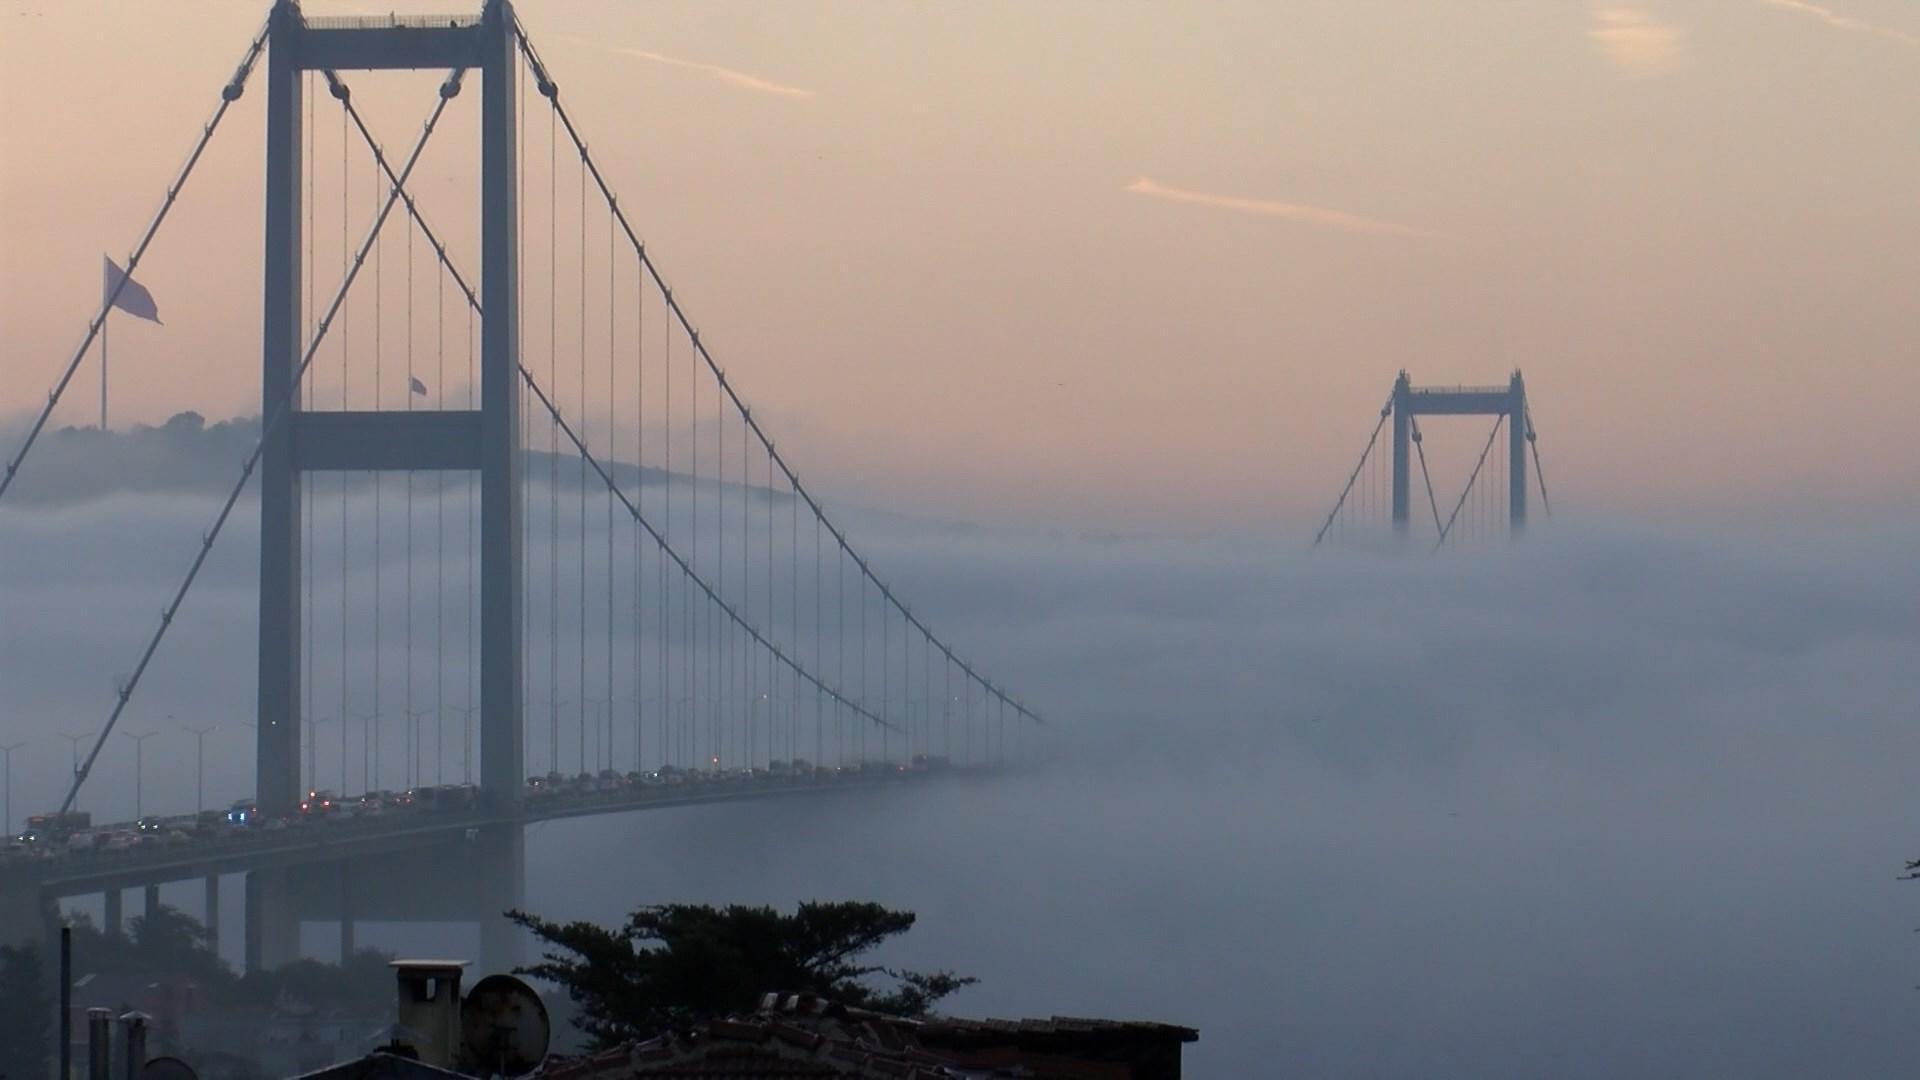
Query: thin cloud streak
x=1306 y=215
x=725 y=74
x=1634 y=41
x=1845 y=22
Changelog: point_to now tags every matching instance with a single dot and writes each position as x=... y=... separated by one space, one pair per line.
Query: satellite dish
x=169 y=1068
x=504 y=1029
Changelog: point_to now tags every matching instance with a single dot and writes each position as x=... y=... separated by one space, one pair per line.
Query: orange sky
x=1140 y=265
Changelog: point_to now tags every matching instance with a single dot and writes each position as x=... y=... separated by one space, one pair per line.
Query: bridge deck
x=234 y=850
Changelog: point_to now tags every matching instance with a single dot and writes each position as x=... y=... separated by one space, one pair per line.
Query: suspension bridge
x=511 y=485
x=1378 y=497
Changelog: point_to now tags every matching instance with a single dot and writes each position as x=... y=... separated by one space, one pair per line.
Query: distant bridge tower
x=1361 y=508
x=1410 y=401
x=485 y=440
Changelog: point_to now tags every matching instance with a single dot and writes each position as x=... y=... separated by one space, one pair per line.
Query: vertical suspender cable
x=819 y=651
x=346 y=188
x=586 y=418
x=306 y=391
x=553 y=447
x=613 y=444
x=413 y=749
x=793 y=580
x=439 y=537
x=378 y=246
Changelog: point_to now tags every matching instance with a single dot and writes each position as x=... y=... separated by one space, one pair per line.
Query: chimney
x=136 y=1025
x=430 y=1007
x=99 y=1044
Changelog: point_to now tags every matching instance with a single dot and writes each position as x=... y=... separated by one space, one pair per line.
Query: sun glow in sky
x=1129 y=264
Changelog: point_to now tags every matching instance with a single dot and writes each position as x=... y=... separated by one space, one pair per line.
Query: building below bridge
x=796 y=1036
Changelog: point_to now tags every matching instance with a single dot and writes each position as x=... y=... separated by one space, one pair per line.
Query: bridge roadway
x=402 y=864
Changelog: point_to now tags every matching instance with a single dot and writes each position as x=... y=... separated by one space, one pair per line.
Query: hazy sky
x=1109 y=262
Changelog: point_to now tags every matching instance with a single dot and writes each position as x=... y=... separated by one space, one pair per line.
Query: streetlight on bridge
x=7 y=752
x=312 y=724
x=414 y=765
x=139 y=768
x=591 y=707
x=369 y=781
x=200 y=764
x=73 y=741
x=466 y=739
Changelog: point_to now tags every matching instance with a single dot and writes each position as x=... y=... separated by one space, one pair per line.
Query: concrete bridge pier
x=273 y=927
x=347 y=944
x=210 y=911
x=23 y=918
x=501 y=851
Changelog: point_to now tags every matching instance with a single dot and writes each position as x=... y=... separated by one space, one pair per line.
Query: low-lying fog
x=1620 y=802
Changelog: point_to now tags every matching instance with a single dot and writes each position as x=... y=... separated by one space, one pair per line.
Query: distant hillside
x=187 y=455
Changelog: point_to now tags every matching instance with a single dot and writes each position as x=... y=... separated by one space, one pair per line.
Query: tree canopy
x=26 y=1038
x=672 y=964
x=166 y=941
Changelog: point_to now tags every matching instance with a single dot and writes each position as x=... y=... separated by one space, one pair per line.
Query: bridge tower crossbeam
x=1411 y=401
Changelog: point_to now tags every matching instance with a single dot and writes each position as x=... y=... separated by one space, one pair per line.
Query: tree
x=673 y=964
x=26 y=1012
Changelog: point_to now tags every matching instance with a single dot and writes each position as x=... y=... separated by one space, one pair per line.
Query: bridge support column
x=1402 y=452
x=110 y=918
x=149 y=900
x=1517 y=430
x=501 y=776
x=347 y=944
x=273 y=930
x=23 y=918
x=501 y=852
x=210 y=912
x=277 y=756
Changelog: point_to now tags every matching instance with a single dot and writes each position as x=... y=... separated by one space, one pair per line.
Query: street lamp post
x=7 y=752
x=312 y=724
x=466 y=739
x=414 y=765
x=139 y=768
x=73 y=742
x=200 y=765
x=368 y=722
x=590 y=706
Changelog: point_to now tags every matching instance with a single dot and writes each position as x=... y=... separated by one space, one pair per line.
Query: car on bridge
x=244 y=812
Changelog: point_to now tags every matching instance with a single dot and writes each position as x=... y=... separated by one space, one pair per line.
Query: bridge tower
x=1410 y=401
x=485 y=440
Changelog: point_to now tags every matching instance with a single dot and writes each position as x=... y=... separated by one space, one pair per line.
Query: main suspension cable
x=686 y=568
x=550 y=90
x=1385 y=411
x=267 y=427
x=229 y=94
